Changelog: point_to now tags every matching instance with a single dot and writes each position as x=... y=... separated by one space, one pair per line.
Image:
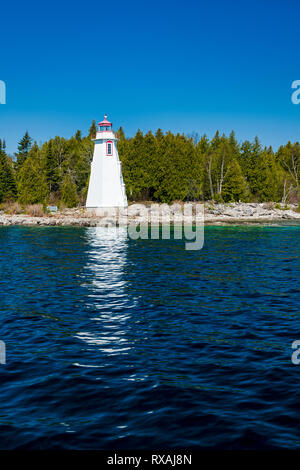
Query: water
x=122 y=344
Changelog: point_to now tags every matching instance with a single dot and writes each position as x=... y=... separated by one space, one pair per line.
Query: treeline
x=167 y=167
x=160 y=167
x=54 y=173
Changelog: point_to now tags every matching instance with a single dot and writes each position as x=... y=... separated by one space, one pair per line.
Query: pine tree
x=175 y=156
x=215 y=142
x=134 y=167
x=120 y=133
x=159 y=134
x=235 y=187
x=234 y=146
x=203 y=144
x=32 y=185
x=270 y=177
x=54 y=159
x=68 y=191
x=78 y=135
x=250 y=159
x=8 y=189
x=23 y=150
x=79 y=161
x=93 y=130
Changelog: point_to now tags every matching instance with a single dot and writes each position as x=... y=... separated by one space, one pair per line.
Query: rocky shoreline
x=214 y=214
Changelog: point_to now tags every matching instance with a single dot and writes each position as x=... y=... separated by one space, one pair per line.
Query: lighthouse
x=106 y=187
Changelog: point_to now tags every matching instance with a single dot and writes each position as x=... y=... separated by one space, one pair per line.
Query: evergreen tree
x=120 y=133
x=176 y=158
x=159 y=134
x=50 y=167
x=80 y=162
x=234 y=146
x=8 y=189
x=203 y=145
x=134 y=167
x=93 y=130
x=58 y=154
x=68 y=191
x=270 y=178
x=235 y=187
x=215 y=141
x=32 y=185
x=250 y=159
x=78 y=135
x=23 y=150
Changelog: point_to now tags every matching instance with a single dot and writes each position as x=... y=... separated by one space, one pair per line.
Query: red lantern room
x=105 y=125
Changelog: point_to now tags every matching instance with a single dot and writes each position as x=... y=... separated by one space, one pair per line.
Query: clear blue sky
x=180 y=65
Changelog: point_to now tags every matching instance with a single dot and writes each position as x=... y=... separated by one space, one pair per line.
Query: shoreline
x=214 y=214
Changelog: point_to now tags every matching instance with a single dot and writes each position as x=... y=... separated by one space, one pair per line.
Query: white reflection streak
x=108 y=257
x=105 y=273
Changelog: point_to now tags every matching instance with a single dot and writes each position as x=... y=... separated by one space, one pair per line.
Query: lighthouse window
x=109 y=148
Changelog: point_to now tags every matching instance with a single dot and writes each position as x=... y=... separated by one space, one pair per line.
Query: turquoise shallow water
x=116 y=343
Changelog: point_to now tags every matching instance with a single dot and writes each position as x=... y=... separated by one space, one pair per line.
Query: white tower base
x=104 y=211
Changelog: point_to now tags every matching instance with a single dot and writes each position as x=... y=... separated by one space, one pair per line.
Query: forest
x=161 y=167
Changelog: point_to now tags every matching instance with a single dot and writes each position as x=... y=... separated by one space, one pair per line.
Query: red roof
x=105 y=122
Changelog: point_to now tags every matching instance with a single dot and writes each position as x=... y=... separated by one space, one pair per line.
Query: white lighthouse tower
x=106 y=186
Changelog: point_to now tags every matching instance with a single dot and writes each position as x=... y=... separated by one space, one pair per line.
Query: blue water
x=116 y=343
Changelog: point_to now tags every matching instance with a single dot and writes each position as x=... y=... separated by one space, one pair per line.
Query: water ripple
x=116 y=343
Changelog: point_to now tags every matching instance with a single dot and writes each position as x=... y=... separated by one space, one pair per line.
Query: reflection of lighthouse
x=104 y=278
x=106 y=187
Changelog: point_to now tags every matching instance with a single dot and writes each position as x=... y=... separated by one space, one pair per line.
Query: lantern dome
x=105 y=125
